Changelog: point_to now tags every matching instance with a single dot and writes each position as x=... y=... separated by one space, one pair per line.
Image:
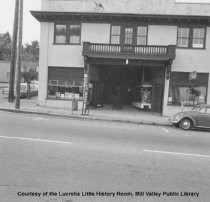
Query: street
x=47 y=159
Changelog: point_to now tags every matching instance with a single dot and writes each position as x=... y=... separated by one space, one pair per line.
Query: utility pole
x=19 y=56
x=13 y=54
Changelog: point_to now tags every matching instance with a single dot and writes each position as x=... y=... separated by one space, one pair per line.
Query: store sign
x=193 y=75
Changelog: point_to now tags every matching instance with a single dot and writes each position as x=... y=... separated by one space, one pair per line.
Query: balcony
x=138 y=52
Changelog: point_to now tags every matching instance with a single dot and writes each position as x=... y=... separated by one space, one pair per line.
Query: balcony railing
x=129 y=51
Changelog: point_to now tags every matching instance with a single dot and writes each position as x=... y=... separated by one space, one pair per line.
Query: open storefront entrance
x=125 y=85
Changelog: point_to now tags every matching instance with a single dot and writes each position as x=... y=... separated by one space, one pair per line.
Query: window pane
x=198 y=37
x=128 y=35
x=74 y=39
x=142 y=31
x=60 y=34
x=115 y=40
x=190 y=92
x=115 y=30
x=115 y=34
x=60 y=39
x=141 y=40
x=60 y=30
x=62 y=82
x=183 y=42
x=198 y=43
x=199 y=33
x=75 y=31
x=183 y=37
x=183 y=32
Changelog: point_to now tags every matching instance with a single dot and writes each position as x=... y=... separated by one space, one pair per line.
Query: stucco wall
x=162 y=35
x=4 y=69
x=193 y=59
x=71 y=55
x=128 y=6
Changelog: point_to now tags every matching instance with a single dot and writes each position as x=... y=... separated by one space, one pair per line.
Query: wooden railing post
x=171 y=50
x=86 y=47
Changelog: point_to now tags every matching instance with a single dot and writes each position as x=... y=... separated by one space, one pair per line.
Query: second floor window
x=60 y=34
x=141 y=38
x=115 y=34
x=129 y=35
x=190 y=37
x=74 y=34
x=67 y=34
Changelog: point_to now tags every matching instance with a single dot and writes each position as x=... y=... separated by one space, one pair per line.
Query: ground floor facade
x=146 y=86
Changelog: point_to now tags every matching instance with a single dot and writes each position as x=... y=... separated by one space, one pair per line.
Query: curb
x=84 y=117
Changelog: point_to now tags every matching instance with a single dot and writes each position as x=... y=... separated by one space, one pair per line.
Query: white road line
x=37 y=140
x=40 y=118
x=167 y=131
x=176 y=153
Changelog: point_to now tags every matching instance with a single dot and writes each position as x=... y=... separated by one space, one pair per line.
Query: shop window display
x=186 y=91
x=65 y=83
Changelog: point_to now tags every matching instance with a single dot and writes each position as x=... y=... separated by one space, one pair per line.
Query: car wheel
x=185 y=124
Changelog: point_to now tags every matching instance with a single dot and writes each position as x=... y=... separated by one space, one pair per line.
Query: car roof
x=203 y=105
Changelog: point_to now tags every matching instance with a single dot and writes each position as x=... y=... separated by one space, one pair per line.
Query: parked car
x=198 y=117
x=23 y=90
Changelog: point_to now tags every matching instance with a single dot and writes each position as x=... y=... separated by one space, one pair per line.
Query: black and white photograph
x=105 y=101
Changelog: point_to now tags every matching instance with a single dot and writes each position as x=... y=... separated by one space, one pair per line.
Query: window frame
x=141 y=35
x=56 y=34
x=68 y=34
x=187 y=84
x=190 y=40
x=122 y=34
x=110 y=39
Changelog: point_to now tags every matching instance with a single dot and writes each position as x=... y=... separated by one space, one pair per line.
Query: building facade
x=149 y=54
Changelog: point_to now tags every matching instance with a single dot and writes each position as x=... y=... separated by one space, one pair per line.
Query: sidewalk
x=127 y=115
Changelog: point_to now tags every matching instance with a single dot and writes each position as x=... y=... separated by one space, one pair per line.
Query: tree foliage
x=5 y=46
x=29 y=75
x=30 y=50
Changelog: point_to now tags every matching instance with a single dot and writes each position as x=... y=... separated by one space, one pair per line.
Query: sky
x=31 y=27
x=193 y=1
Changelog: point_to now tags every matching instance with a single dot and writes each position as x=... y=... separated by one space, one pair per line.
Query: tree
x=31 y=51
x=5 y=46
x=29 y=75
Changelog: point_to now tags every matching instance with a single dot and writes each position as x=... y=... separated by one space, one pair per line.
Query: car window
x=197 y=108
x=208 y=110
x=203 y=110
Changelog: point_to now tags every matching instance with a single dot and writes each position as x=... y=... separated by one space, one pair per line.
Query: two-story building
x=150 y=54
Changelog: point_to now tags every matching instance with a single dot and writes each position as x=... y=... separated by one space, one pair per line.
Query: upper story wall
x=71 y=55
x=127 y=6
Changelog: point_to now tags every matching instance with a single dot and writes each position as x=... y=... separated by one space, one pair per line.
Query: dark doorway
x=157 y=98
x=122 y=85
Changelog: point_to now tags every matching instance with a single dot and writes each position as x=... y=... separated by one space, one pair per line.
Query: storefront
x=138 y=86
x=65 y=83
x=188 y=88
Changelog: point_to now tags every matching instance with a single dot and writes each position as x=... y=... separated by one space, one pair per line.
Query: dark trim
x=50 y=16
x=135 y=32
x=190 y=42
x=67 y=33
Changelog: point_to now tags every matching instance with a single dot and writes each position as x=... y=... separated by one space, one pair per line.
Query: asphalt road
x=40 y=154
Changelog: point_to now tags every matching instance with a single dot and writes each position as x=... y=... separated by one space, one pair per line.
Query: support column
x=85 y=106
x=43 y=64
x=208 y=92
x=166 y=87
